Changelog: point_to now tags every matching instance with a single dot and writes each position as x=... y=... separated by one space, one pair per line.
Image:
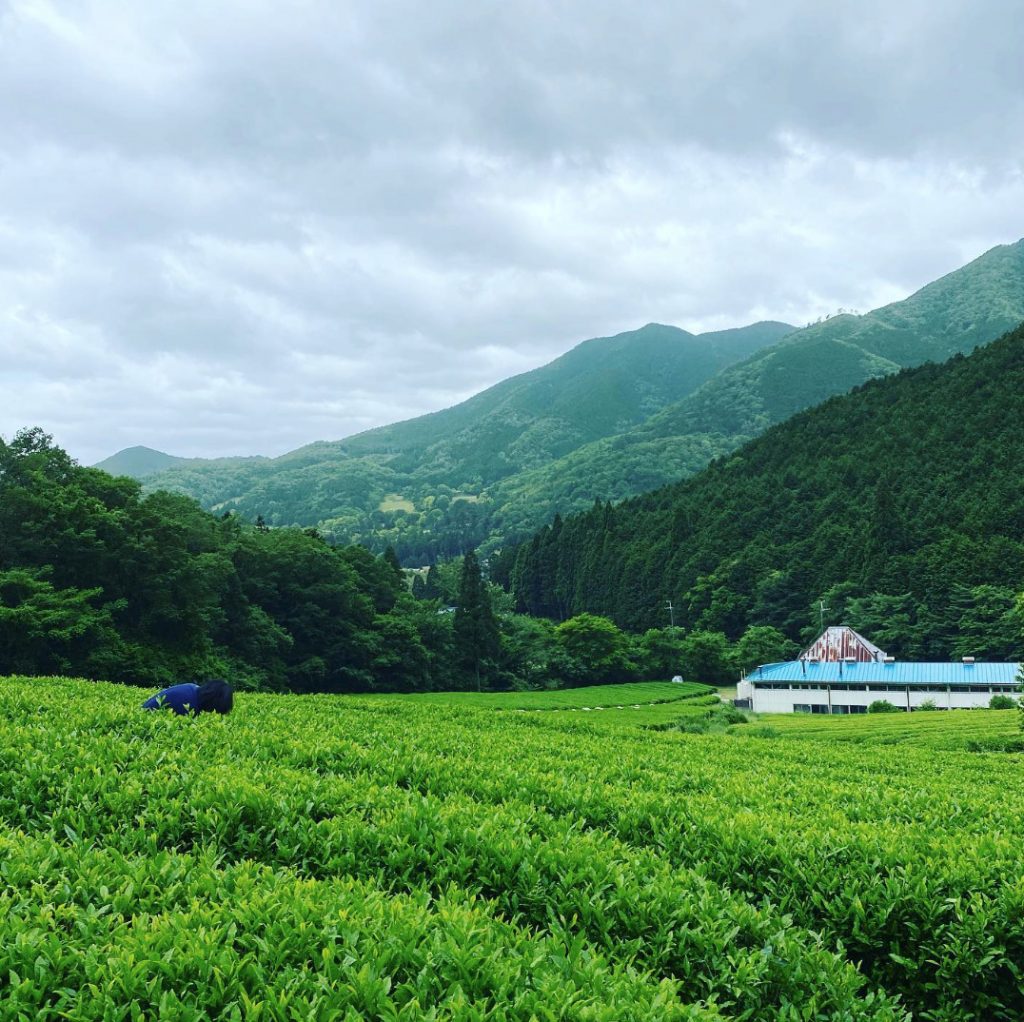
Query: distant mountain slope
x=612 y=418
x=600 y=387
x=971 y=306
x=901 y=501
x=138 y=462
x=430 y=474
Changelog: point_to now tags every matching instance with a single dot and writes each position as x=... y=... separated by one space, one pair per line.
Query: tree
x=477 y=645
x=598 y=646
x=659 y=652
x=44 y=630
x=705 y=658
x=987 y=625
x=889 y=621
x=762 y=644
x=431 y=584
x=529 y=653
x=390 y=558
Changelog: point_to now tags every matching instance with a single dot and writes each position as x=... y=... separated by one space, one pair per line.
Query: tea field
x=399 y=858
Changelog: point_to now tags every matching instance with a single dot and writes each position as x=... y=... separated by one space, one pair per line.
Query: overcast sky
x=234 y=228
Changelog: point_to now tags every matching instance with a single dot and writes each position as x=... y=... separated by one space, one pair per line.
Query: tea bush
x=325 y=857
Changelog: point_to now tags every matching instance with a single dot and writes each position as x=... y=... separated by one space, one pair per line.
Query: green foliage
x=99 y=581
x=706 y=658
x=659 y=652
x=762 y=644
x=475 y=636
x=481 y=471
x=927 y=705
x=59 y=631
x=1003 y=702
x=384 y=858
x=882 y=706
x=599 y=651
x=898 y=505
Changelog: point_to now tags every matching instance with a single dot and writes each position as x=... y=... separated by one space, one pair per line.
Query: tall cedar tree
x=477 y=643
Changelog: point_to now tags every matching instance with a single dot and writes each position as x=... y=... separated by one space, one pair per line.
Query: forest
x=100 y=581
x=896 y=509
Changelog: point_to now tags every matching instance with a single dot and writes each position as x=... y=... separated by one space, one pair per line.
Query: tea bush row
x=752 y=874
x=549 y=873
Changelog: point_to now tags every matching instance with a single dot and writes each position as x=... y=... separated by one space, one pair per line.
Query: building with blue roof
x=841 y=672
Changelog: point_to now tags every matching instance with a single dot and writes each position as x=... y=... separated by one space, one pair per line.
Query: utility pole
x=821 y=615
x=671 y=613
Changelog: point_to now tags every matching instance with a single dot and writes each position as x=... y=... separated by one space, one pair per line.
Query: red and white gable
x=839 y=642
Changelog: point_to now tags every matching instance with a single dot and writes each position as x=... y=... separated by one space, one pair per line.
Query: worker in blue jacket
x=191 y=699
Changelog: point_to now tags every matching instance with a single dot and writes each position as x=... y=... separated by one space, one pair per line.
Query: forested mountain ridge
x=492 y=470
x=971 y=306
x=421 y=484
x=956 y=313
x=601 y=387
x=899 y=504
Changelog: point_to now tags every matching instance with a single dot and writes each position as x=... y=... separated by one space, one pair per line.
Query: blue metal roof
x=897 y=673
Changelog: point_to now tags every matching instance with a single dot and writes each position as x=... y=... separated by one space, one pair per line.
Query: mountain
x=899 y=505
x=971 y=306
x=138 y=462
x=422 y=484
x=611 y=419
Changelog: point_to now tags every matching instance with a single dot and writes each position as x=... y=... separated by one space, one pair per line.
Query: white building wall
x=776 y=700
x=766 y=700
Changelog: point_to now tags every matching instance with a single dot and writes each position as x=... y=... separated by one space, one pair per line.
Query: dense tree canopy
x=898 y=505
x=100 y=581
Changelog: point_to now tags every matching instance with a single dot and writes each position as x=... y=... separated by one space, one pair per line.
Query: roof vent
x=968 y=661
x=849 y=659
x=890 y=660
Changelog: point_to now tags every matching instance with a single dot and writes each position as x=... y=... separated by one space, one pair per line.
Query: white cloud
x=236 y=228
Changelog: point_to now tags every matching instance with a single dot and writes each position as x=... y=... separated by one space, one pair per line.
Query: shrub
x=883 y=706
x=733 y=716
x=1001 y=702
x=928 y=704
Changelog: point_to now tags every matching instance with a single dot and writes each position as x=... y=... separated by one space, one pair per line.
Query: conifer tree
x=475 y=627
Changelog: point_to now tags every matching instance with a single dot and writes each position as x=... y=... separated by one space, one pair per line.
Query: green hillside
x=956 y=313
x=966 y=308
x=613 y=418
x=899 y=504
x=138 y=462
x=423 y=485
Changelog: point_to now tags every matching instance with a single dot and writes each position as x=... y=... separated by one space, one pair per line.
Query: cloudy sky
x=234 y=228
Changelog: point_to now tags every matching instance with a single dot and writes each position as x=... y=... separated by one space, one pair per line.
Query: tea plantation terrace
x=843 y=673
